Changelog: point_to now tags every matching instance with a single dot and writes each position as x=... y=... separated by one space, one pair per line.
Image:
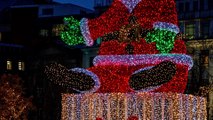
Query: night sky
x=85 y=3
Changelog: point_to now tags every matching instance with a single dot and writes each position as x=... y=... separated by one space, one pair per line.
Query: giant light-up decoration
x=141 y=70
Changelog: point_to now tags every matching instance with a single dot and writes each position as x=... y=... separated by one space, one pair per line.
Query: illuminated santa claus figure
x=140 y=51
x=141 y=62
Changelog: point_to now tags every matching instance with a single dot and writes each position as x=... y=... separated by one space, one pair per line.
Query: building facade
x=12 y=59
x=29 y=40
x=196 y=26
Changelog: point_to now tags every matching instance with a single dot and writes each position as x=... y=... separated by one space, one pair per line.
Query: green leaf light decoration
x=164 y=39
x=71 y=34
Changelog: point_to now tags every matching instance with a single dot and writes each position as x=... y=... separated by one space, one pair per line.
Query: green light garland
x=164 y=39
x=71 y=34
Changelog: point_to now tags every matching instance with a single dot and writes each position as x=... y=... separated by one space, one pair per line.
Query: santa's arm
x=166 y=28
x=109 y=21
x=168 y=17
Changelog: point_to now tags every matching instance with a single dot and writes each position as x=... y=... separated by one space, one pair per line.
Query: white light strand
x=133 y=60
x=125 y=105
x=85 y=32
x=166 y=26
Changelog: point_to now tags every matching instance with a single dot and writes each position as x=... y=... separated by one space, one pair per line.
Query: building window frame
x=181 y=7
x=21 y=65
x=202 y=4
x=204 y=28
x=190 y=30
x=209 y=4
x=44 y=32
x=9 y=65
x=195 y=5
x=0 y=36
x=47 y=11
x=91 y=58
x=186 y=7
x=182 y=26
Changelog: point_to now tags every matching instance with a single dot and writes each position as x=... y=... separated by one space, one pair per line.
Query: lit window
x=57 y=29
x=21 y=66
x=190 y=30
x=9 y=65
x=206 y=60
x=43 y=32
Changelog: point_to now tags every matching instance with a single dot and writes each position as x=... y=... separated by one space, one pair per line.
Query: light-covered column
x=211 y=82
